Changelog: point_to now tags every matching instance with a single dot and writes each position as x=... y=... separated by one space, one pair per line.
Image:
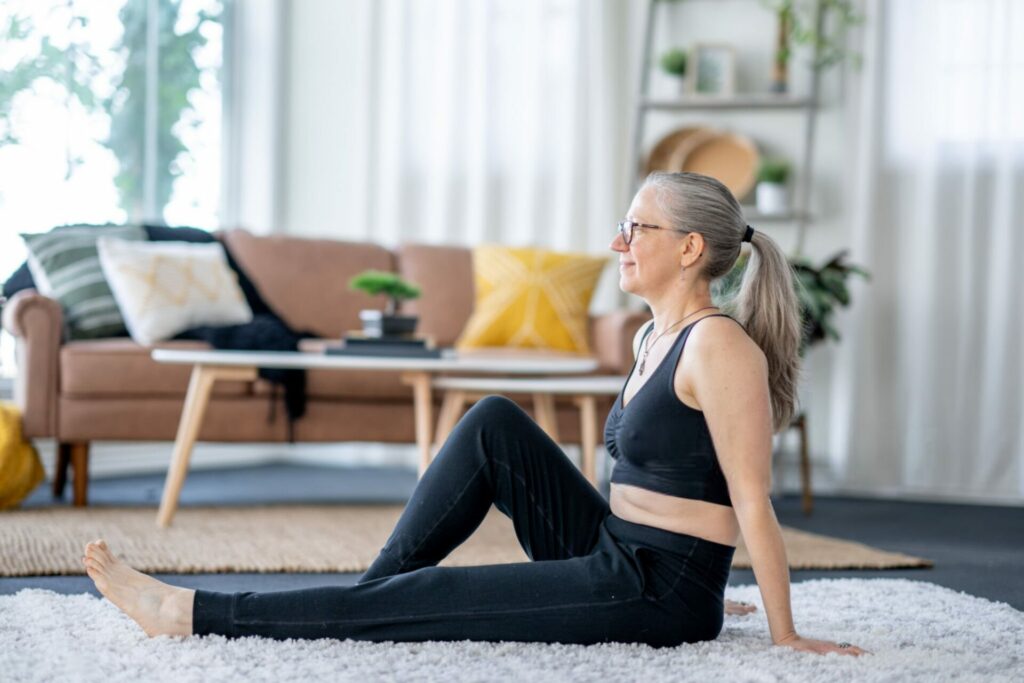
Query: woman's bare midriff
x=710 y=521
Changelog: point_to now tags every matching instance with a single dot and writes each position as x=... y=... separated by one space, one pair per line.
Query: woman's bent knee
x=496 y=409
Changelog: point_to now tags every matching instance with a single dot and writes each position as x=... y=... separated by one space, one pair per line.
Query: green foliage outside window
x=78 y=66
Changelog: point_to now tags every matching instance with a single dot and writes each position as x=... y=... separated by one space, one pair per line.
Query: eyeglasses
x=627 y=227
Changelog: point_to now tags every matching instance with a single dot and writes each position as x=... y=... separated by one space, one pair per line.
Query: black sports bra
x=661 y=444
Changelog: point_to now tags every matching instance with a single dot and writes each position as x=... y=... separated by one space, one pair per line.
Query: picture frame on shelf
x=714 y=70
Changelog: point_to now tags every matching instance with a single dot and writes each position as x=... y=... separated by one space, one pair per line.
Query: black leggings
x=594 y=577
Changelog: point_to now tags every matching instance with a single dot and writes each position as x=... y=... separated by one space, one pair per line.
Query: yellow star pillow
x=531 y=298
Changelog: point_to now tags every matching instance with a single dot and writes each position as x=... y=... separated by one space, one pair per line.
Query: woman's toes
x=99 y=553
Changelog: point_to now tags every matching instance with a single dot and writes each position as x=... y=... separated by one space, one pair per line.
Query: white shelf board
x=753 y=215
x=744 y=101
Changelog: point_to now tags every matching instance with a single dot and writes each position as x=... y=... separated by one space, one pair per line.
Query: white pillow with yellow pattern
x=165 y=288
x=531 y=298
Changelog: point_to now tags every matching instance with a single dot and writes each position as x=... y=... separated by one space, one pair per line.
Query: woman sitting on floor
x=650 y=565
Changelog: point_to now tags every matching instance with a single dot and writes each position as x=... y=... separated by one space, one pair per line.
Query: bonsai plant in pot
x=673 y=63
x=386 y=323
x=772 y=193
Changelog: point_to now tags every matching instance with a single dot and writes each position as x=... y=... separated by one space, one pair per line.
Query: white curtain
x=928 y=395
x=498 y=121
x=251 y=139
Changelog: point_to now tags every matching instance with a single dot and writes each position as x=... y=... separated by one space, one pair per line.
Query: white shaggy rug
x=916 y=630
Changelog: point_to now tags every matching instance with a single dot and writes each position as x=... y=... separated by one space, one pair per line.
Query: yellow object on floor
x=20 y=468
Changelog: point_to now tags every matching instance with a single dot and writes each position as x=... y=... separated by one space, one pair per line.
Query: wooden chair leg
x=80 y=466
x=60 y=472
x=805 y=466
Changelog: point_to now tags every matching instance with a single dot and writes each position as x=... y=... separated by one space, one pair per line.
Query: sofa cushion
x=65 y=266
x=305 y=281
x=531 y=298
x=445 y=274
x=165 y=288
x=120 y=367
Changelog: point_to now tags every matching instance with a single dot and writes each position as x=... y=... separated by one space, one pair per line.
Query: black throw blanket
x=266 y=332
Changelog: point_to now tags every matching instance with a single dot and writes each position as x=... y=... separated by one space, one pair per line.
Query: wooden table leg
x=588 y=437
x=196 y=401
x=544 y=407
x=423 y=406
x=451 y=411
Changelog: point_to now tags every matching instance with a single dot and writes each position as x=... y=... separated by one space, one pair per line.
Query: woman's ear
x=693 y=249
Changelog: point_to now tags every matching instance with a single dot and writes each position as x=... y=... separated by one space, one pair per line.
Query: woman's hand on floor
x=820 y=647
x=739 y=608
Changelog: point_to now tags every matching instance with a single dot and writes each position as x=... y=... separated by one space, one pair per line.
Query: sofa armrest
x=611 y=339
x=36 y=322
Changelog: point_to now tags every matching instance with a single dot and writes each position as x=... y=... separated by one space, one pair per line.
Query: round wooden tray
x=661 y=156
x=730 y=158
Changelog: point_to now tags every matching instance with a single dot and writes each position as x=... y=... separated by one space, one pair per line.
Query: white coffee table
x=209 y=367
x=584 y=390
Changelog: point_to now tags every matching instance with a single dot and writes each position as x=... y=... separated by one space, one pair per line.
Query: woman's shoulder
x=717 y=354
x=722 y=337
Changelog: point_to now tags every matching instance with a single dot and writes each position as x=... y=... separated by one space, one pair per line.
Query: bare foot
x=739 y=608
x=160 y=609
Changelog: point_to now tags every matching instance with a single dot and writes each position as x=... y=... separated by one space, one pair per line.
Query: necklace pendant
x=643 y=362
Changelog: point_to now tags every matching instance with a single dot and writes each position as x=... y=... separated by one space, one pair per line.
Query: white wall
x=326 y=148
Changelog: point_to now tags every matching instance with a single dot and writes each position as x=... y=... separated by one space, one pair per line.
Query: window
x=110 y=111
x=953 y=76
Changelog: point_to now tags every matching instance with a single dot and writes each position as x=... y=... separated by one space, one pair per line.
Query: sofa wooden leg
x=80 y=467
x=60 y=472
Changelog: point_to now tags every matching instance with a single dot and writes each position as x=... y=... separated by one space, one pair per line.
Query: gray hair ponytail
x=765 y=303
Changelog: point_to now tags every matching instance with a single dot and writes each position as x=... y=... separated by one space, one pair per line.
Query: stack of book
x=358 y=344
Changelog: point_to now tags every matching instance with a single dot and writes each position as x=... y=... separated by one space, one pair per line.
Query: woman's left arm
x=730 y=382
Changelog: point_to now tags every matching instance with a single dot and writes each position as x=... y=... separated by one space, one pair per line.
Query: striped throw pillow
x=65 y=266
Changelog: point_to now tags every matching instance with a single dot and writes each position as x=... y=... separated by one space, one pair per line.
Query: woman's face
x=650 y=261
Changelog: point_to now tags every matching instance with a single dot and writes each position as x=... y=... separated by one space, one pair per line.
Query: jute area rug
x=916 y=631
x=304 y=538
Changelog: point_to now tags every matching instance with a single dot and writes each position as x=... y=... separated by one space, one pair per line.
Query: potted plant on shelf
x=796 y=27
x=673 y=63
x=772 y=194
x=386 y=323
